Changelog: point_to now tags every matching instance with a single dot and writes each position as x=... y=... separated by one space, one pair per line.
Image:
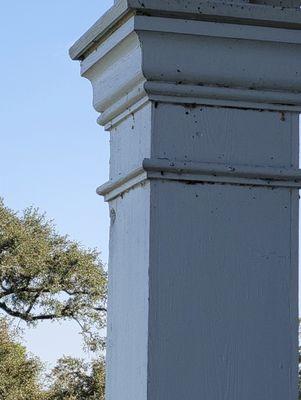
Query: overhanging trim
x=231 y=96
x=203 y=95
x=247 y=14
x=193 y=172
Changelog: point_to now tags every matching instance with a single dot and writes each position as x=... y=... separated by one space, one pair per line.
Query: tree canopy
x=74 y=379
x=47 y=276
x=21 y=375
x=19 y=372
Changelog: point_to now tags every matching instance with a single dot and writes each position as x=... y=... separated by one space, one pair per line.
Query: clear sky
x=53 y=154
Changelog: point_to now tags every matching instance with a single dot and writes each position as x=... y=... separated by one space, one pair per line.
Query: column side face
x=128 y=296
x=224 y=268
x=130 y=142
x=196 y=133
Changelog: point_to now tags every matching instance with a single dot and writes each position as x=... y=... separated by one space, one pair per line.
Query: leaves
x=73 y=379
x=19 y=372
x=46 y=276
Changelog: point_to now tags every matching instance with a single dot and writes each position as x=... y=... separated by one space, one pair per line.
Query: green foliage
x=73 y=379
x=19 y=373
x=46 y=276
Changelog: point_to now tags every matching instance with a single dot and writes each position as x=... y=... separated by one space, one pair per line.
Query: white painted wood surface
x=127 y=347
x=201 y=100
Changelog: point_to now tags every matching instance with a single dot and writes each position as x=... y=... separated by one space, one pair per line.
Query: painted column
x=201 y=100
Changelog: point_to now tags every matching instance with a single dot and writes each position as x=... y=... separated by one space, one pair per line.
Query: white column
x=201 y=100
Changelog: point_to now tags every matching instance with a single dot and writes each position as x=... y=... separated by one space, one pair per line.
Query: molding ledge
x=233 y=96
x=194 y=173
x=198 y=95
x=285 y=14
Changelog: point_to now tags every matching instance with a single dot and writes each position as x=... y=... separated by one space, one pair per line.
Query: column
x=202 y=102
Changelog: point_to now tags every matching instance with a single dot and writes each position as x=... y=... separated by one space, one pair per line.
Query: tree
x=73 y=379
x=19 y=372
x=46 y=276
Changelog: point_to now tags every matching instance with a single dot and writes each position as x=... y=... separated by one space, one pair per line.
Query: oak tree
x=19 y=372
x=75 y=379
x=47 y=276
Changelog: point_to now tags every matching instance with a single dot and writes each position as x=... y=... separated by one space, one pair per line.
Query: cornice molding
x=144 y=58
x=285 y=14
x=193 y=173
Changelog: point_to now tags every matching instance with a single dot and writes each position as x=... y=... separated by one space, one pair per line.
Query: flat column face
x=223 y=311
x=196 y=133
x=224 y=264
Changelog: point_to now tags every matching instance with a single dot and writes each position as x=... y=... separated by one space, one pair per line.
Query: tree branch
x=32 y=318
x=100 y=309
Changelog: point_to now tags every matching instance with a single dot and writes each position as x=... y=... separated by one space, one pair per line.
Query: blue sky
x=54 y=155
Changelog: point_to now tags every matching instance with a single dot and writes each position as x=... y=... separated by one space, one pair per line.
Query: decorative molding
x=115 y=188
x=141 y=59
x=275 y=14
x=212 y=29
x=141 y=23
x=224 y=96
x=131 y=66
x=197 y=95
x=192 y=172
x=123 y=107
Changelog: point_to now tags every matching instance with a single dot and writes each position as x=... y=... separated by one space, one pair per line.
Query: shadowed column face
x=202 y=104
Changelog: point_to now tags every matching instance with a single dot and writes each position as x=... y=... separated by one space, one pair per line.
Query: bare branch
x=100 y=309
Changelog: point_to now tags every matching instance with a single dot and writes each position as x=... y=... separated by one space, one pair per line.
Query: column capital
x=212 y=53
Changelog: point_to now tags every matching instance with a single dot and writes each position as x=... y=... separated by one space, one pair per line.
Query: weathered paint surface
x=128 y=145
x=226 y=135
x=222 y=293
x=128 y=296
x=201 y=100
